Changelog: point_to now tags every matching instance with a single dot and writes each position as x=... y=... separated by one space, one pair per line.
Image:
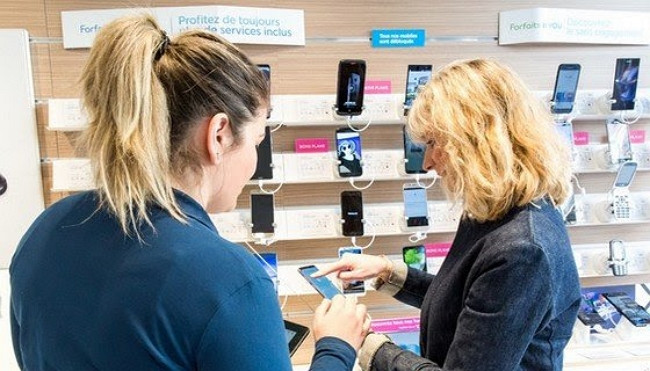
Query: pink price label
x=581 y=138
x=393 y=325
x=637 y=136
x=311 y=145
x=377 y=87
x=437 y=250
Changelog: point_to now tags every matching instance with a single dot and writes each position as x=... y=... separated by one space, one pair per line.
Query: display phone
x=352 y=213
x=266 y=71
x=625 y=82
x=323 y=285
x=295 y=334
x=416 y=209
x=569 y=209
x=565 y=129
x=566 y=86
x=620 y=190
x=617 y=258
x=415 y=257
x=264 y=169
x=3 y=185
x=417 y=76
x=348 y=150
x=262 y=213
x=351 y=82
x=269 y=261
x=413 y=154
x=628 y=308
x=618 y=141
x=352 y=287
x=588 y=311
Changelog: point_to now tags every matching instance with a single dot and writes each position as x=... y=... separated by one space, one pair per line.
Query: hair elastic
x=162 y=47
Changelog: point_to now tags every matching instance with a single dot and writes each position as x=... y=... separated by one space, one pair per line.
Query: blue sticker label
x=414 y=38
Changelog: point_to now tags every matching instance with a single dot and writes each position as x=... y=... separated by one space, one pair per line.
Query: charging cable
x=417 y=180
x=260 y=184
x=372 y=238
x=277 y=127
x=361 y=188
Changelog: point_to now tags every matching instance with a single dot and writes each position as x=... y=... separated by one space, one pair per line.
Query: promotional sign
x=581 y=138
x=242 y=25
x=551 y=25
x=311 y=145
x=637 y=136
x=377 y=87
x=414 y=38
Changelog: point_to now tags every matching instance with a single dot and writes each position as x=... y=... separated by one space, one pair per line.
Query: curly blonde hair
x=499 y=144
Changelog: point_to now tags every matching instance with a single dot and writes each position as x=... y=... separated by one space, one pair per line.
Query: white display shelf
x=381 y=109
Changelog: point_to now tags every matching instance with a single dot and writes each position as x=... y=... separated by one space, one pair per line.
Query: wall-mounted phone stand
x=260 y=184
x=417 y=237
x=348 y=119
x=265 y=239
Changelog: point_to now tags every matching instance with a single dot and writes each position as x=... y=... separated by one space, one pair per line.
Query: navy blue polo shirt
x=85 y=296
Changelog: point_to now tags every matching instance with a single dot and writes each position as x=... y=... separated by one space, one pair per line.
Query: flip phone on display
x=264 y=169
x=620 y=191
x=350 y=85
x=352 y=213
x=566 y=86
x=352 y=287
x=417 y=76
x=415 y=257
x=618 y=141
x=625 y=82
x=617 y=258
x=323 y=285
x=629 y=308
x=348 y=150
x=262 y=213
x=414 y=155
x=415 y=206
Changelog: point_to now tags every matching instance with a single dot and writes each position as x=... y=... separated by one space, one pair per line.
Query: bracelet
x=388 y=269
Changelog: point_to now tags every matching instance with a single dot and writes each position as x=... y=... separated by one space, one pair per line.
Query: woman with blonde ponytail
x=507 y=295
x=133 y=275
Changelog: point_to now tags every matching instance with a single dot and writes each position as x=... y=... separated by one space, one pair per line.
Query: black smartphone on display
x=413 y=154
x=323 y=285
x=295 y=334
x=618 y=141
x=348 y=152
x=628 y=308
x=416 y=208
x=266 y=71
x=415 y=257
x=350 y=85
x=352 y=287
x=262 y=213
x=588 y=311
x=417 y=75
x=264 y=169
x=566 y=87
x=625 y=82
x=352 y=213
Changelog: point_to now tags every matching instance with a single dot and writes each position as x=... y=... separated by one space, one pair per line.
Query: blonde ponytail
x=128 y=138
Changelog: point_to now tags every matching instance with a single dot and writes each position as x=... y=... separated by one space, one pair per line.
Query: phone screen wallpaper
x=626 y=78
x=354 y=87
x=416 y=80
x=349 y=153
x=566 y=89
x=416 y=258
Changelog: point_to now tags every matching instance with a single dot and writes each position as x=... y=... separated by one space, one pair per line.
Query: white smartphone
x=352 y=287
x=618 y=140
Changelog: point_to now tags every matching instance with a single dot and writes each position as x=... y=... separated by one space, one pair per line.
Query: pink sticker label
x=311 y=145
x=637 y=136
x=437 y=250
x=581 y=138
x=377 y=87
x=387 y=326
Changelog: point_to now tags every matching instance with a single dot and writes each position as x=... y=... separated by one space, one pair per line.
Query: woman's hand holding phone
x=354 y=267
x=342 y=318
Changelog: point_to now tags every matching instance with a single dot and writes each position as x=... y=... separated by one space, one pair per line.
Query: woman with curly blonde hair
x=507 y=295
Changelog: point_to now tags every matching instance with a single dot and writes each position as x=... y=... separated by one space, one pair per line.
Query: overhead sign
x=550 y=25
x=241 y=25
x=407 y=38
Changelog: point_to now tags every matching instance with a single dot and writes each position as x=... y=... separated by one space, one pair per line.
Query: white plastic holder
x=265 y=239
x=628 y=332
x=351 y=179
x=348 y=119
